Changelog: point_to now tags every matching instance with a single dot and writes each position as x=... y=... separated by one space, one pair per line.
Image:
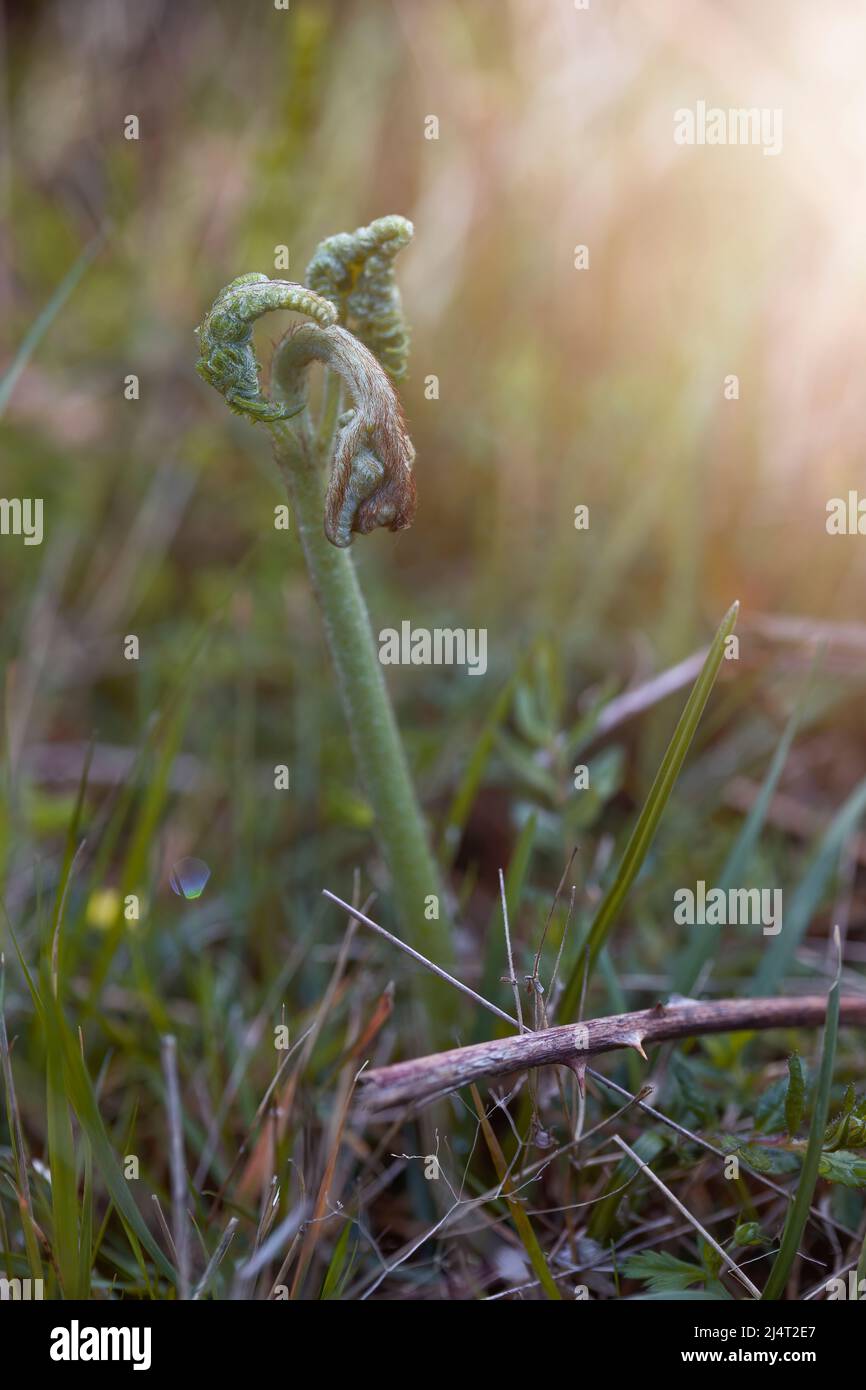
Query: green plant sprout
x=359 y=334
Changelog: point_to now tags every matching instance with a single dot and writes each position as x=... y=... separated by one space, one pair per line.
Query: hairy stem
x=373 y=730
x=371 y=485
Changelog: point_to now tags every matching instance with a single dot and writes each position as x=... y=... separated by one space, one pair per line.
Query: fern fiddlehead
x=359 y=334
x=356 y=272
x=351 y=279
x=227 y=360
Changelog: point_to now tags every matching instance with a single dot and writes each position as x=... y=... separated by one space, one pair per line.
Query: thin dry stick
x=549 y=919
x=692 y=1220
x=216 y=1258
x=512 y=978
x=596 y=1076
x=163 y=1226
x=570 y=1044
x=416 y=955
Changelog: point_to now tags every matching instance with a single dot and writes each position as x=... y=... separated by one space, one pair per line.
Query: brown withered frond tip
x=372 y=483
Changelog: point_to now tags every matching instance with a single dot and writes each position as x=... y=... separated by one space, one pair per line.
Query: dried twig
x=424 y=1077
x=675 y=1201
x=416 y=955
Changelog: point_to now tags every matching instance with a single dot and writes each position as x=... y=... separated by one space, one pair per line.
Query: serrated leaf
x=762 y=1159
x=843 y=1167
x=838 y=1132
x=693 y=1096
x=663 y=1272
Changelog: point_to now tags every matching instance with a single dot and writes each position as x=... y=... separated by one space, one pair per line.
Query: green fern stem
x=373 y=730
x=359 y=335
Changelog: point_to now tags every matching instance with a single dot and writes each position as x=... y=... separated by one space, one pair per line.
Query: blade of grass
x=13 y=1120
x=61 y=1161
x=79 y=1089
x=61 y=1143
x=522 y=1223
x=601 y=1222
x=461 y=805
x=798 y=1212
x=45 y=318
x=85 y=1225
x=134 y=874
x=340 y=1267
x=780 y=953
x=704 y=944
x=648 y=821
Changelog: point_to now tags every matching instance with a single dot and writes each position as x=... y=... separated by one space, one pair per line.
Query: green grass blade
x=798 y=1212
x=79 y=1089
x=19 y=1153
x=601 y=1223
x=779 y=955
x=464 y=797
x=704 y=944
x=648 y=822
x=43 y=321
x=522 y=1223
x=85 y=1232
x=61 y=1159
x=340 y=1266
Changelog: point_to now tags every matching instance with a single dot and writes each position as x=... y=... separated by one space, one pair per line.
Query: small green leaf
x=838 y=1132
x=750 y=1233
x=843 y=1167
x=772 y=1161
x=795 y=1098
x=693 y=1096
x=663 y=1272
x=712 y=1261
x=770 y=1107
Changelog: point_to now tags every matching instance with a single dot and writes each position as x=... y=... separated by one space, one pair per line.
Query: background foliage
x=556 y=387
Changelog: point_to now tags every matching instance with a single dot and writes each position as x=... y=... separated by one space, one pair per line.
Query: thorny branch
x=422 y=1078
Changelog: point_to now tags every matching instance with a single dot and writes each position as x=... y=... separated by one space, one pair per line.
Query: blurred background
x=557 y=386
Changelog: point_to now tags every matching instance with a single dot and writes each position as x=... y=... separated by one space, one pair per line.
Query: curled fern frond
x=355 y=270
x=227 y=361
x=371 y=483
x=351 y=279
